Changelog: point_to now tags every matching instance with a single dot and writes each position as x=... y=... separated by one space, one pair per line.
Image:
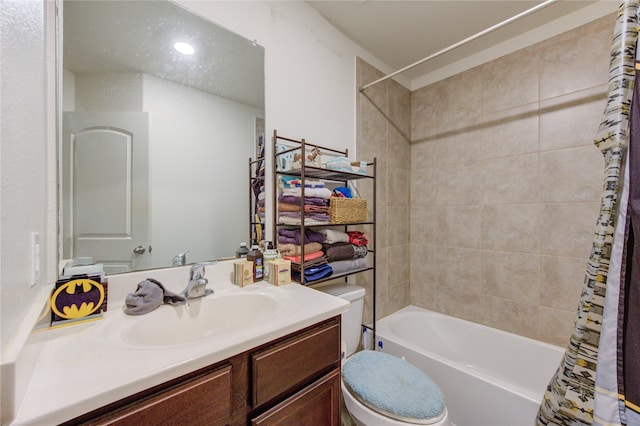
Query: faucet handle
x=198 y=269
x=180 y=259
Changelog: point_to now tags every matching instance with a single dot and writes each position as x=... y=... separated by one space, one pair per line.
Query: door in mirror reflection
x=106 y=192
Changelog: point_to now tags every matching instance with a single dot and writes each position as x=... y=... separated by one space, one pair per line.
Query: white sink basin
x=204 y=318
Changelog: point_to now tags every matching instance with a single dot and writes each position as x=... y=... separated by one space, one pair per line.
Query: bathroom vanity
x=292 y=380
x=259 y=355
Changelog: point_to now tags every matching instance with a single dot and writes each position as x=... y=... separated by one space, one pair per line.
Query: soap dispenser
x=269 y=255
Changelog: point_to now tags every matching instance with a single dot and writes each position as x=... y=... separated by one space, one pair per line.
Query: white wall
x=199 y=149
x=27 y=157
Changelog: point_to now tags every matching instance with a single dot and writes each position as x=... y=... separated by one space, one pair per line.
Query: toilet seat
x=393 y=387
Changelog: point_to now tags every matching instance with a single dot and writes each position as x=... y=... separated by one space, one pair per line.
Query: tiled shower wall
x=504 y=184
x=384 y=126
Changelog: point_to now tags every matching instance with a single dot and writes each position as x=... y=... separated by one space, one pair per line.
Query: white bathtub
x=489 y=377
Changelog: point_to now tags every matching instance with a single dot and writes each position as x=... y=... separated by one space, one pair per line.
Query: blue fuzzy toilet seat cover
x=393 y=387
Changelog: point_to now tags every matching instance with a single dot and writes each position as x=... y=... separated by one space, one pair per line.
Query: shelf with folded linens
x=302 y=197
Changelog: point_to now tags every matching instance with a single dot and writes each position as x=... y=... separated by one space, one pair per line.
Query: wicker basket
x=347 y=210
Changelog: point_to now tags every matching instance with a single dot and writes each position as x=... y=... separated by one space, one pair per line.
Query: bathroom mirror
x=154 y=142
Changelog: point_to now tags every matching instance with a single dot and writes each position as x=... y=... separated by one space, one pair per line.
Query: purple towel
x=292 y=199
x=292 y=236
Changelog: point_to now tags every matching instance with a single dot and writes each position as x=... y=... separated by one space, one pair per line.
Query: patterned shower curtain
x=617 y=399
x=570 y=395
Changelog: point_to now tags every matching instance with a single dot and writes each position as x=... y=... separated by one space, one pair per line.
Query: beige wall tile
x=561 y=281
x=458 y=147
x=572 y=120
x=398 y=181
x=510 y=227
x=366 y=74
x=423 y=263
x=512 y=316
x=510 y=132
x=382 y=227
x=458 y=269
x=399 y=296
x=373 y=132
x=510 y=275
x=573 y=174
x=398 y=225
x=510 y=179
x=398 y=264
x=382 y=267
x=423 y=222
x=565 y=68
x=460 y=305
x=459 y=183
x=459 y=101
x=510 y=81
x=423 y=155
x=400 y=108
x=566 y=229
x=423 y=294
x=399 y=149
x=424 y=104
x=458 y=226
x=423 y=187
x=382 y=185
x=555 y=326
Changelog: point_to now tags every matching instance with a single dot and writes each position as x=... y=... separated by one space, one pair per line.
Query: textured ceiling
x=138 y=36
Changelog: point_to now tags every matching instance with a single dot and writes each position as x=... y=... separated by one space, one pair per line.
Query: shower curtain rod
x=460 y=43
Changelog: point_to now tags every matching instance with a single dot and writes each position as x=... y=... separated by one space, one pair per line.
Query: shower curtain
x=571 y=394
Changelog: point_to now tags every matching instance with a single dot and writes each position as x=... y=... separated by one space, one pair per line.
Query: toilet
x=380 y=389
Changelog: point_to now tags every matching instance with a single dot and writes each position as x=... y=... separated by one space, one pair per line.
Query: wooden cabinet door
x=318 y=404
x=204 y=400
x=294 y=362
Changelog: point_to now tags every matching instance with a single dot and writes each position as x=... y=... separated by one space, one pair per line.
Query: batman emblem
x=77 y=298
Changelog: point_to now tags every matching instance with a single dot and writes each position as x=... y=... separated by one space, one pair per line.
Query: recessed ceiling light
x=184 y=48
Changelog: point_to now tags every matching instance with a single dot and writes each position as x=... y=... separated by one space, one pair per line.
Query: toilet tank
x=352 y=319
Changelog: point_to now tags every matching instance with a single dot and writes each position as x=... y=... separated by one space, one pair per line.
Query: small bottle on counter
x=242 y=251
x=269 y=255
x=255 y=256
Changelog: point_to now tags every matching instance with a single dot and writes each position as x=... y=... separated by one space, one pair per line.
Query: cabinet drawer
x=204 y=400
x=293 y=362
x=317 y=404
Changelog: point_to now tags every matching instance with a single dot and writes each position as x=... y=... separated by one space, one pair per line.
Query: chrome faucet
x=197 y=282
x=180 y=259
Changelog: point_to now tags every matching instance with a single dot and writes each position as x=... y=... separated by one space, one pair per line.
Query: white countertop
x=86 y=366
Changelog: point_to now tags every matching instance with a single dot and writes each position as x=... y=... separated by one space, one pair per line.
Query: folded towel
x=286 y=207
x=345 y=266
x=308 y=263
x=343 y=251
x=314 y=273
x=308 y=192
x=148 y=296
x=307 y=221
x=332 y=236
x=307 y=256
x=292 y=236
x=357 y=238
x=296 y=249
x=292 y=199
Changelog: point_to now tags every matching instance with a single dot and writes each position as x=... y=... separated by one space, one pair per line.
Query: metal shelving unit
x=312 y=172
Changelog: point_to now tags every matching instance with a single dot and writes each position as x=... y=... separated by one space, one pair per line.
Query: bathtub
x=488 y=377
